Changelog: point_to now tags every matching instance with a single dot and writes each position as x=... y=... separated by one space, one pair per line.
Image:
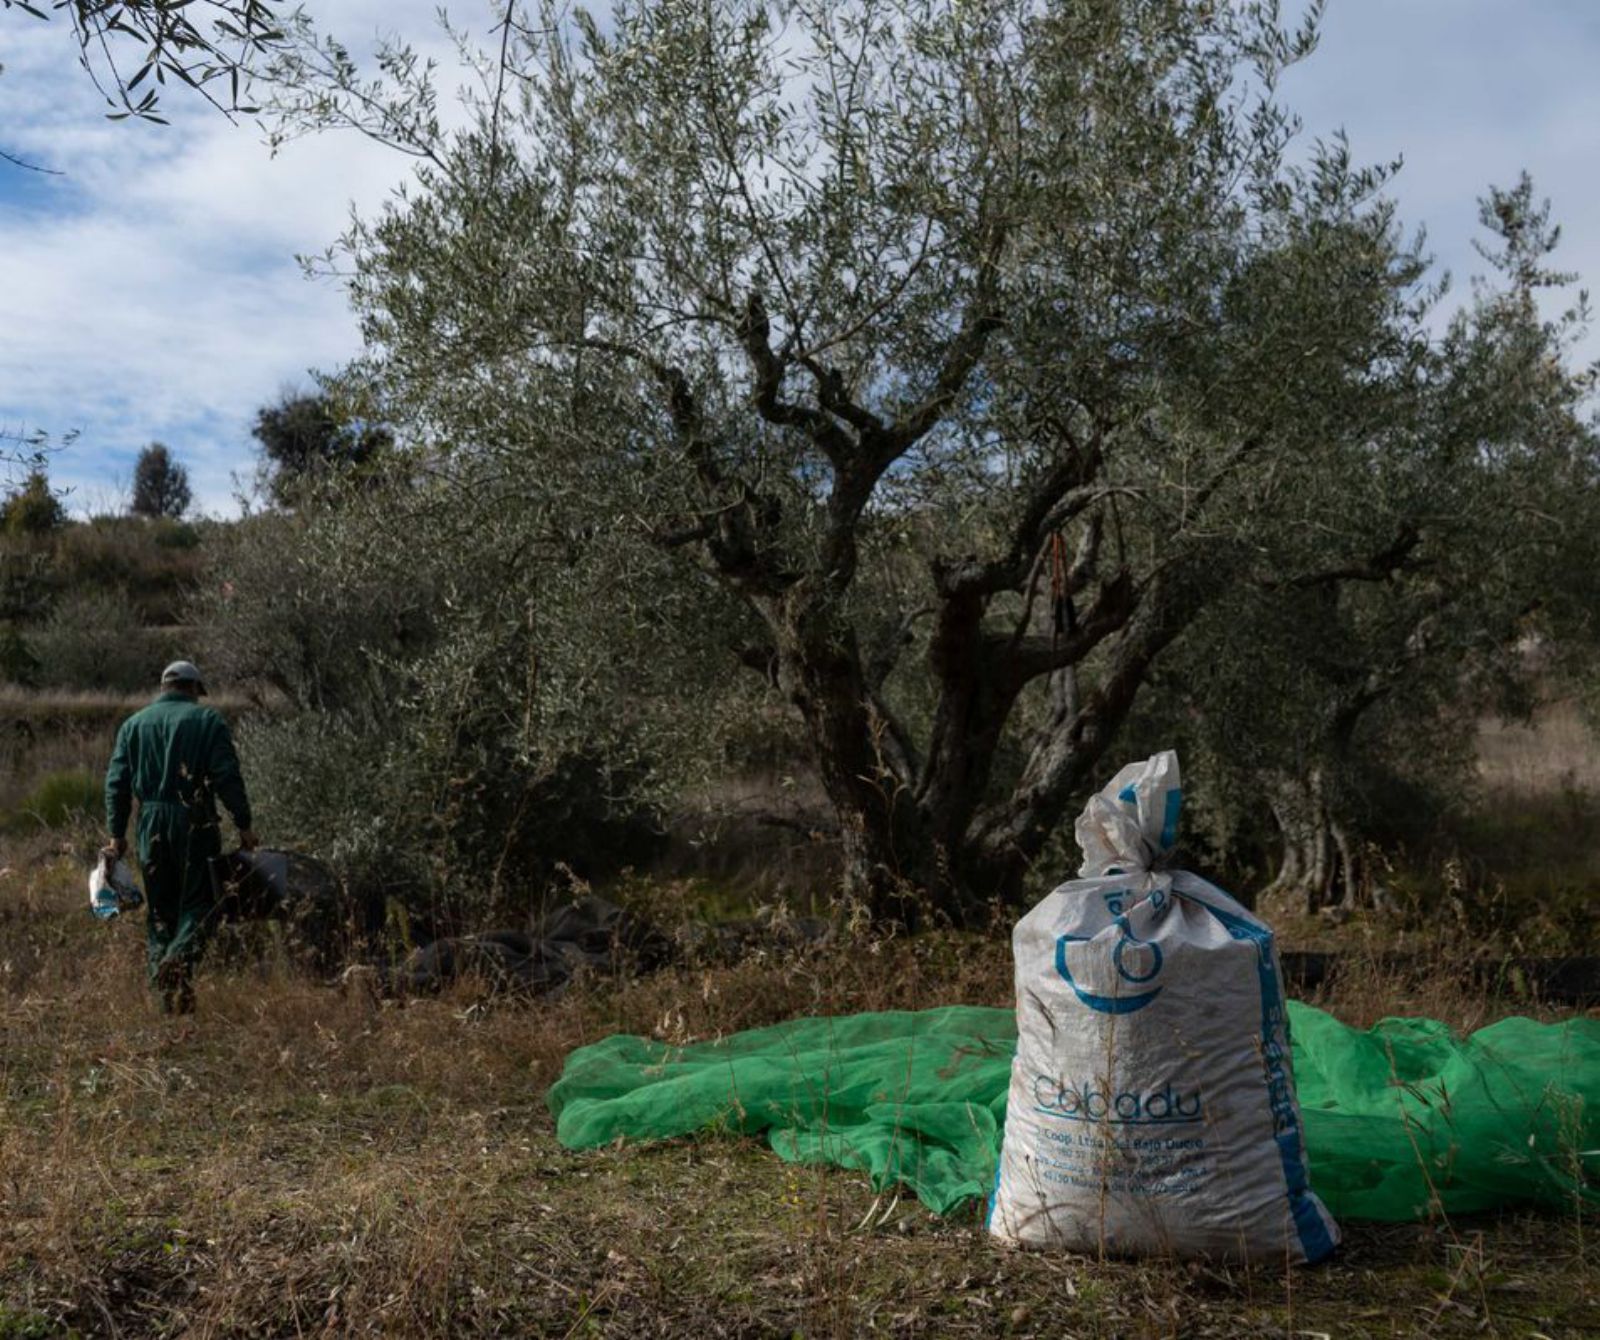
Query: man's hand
x=248 y=841
x=117 y=847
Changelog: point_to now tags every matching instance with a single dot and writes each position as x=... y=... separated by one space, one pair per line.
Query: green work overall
x=178 y=758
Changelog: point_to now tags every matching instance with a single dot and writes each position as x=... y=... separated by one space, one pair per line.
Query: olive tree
x=1364 y=686
x=979 y=350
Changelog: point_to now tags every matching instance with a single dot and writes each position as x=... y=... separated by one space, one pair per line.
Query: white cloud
x=152 y=291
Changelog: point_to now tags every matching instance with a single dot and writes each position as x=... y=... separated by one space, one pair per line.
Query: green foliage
x=459 y=838
x=150 y=565
x=171 y=534
x=1352 y=717
x=18 y=664
x=306 y=440
x=24 y=580
x=95 y=640
x=32 y=508
x=471 y=701
x=62 y=798
x=26 y=1324
x=1005 y=368
x=160 y=484
x=197 y=45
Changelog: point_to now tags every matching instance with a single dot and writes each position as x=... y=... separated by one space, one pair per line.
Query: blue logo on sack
x=1160 y=1105
x=1134 y=968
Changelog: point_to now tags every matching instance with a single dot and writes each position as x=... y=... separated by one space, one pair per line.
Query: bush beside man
x=177 y=758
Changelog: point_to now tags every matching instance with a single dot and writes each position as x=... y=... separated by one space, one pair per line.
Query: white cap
x=182 y=672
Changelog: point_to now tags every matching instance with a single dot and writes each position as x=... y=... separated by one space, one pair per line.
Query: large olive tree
x=980 y=349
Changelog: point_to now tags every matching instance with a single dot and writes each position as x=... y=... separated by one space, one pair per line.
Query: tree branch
x=893 y=741
x=1378 y=567
x=755 y=333
x=1066 y=752
x=1113 y=607
x=962 y=356
x=1056 y=499
x=1235 y=459
x=727 y=526
x=763 y=659
x=879 y=668
x=830 y=390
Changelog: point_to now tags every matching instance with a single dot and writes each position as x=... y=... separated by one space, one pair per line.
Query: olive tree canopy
x=981 y=350
x=130 y=48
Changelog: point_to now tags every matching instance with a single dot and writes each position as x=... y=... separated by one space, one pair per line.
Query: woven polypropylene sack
x=1152 y=1104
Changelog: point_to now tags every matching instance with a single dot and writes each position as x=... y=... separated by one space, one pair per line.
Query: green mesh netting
x=1400 y=1120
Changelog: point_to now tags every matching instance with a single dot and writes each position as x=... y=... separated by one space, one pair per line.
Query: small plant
x=62 y=797
x=168 y=534
x=25 y=1325
x=18 y=664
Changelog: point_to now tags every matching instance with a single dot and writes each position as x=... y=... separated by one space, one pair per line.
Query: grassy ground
x=304 y=1161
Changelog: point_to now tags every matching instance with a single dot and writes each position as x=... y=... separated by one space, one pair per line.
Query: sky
x=150 y=292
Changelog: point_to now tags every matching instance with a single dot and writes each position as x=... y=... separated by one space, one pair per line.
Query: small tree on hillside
x=160 y=484
x=32 y=509
x=304 y=440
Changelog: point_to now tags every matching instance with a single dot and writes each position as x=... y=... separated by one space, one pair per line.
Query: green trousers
x=173 y=853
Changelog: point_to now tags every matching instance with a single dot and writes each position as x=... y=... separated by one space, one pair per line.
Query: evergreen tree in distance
x=32 y=509
x=160 y=484
x=303 y=438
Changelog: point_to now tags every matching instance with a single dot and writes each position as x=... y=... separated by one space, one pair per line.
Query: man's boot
x=176 y=986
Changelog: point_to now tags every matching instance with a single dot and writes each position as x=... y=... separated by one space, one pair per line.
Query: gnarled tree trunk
x=1322 y=865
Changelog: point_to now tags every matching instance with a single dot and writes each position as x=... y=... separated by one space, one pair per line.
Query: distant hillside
x=97 y=606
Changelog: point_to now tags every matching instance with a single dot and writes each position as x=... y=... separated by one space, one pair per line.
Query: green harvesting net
x=1400 y=1121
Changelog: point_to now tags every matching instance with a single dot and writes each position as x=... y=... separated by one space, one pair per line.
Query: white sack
x=1152 y=1108
x=111 y=888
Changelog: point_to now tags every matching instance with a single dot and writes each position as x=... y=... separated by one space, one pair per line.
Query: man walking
x=178 y=758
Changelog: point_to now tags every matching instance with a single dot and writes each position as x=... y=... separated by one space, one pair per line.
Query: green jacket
x=175 y=752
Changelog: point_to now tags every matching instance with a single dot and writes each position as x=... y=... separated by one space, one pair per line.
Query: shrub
x=18 y=664
x=456 y=829
x=169 y=534
x=95 y=640
x=32 y=509
x=64 y=797
x=24 y=579
x=152 y=565
x=464 y=715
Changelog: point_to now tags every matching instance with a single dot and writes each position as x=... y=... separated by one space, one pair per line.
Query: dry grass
x=304 y=1162
x=301 y=1161
x=1557 y=750
x=92 y=704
